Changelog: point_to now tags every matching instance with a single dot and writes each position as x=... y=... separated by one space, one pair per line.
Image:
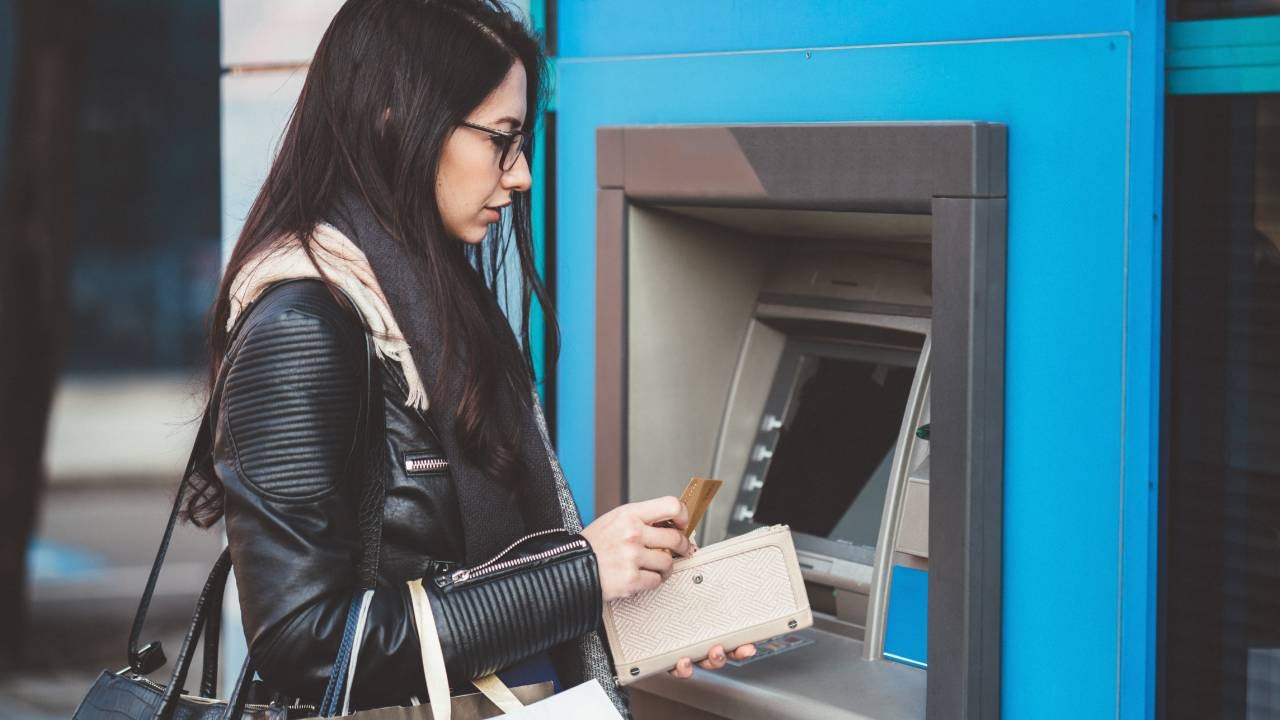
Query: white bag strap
x=497 y=691
x=432 y=655
x=433 y=663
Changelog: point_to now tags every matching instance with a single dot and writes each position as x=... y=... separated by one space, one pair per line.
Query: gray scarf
x=492 y=514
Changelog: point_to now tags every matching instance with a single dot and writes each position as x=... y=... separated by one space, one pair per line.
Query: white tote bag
x=587 y=701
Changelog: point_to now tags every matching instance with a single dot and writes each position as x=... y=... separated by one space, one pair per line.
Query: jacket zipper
x=417 y=465
x=488 y=566
x=473 y=573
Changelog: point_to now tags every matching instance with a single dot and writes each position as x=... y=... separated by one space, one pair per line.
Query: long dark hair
x=390 y=80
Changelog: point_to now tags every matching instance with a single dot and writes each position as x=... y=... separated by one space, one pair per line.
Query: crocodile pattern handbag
x=737 y=591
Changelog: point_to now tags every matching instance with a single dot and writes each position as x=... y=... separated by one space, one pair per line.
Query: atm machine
x=814 y=315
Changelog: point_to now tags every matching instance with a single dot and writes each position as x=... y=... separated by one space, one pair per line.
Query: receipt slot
x=814 y=314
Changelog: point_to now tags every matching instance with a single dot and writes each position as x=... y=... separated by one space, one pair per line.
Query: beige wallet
x=738 y=591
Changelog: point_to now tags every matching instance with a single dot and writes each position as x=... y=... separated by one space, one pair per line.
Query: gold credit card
x=697 y=497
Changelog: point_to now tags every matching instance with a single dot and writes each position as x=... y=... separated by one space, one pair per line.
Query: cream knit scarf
x=338 y=260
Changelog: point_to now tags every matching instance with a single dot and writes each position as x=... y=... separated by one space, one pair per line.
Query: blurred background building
x=1141 y=490
x=145 y=247
x=141 y=209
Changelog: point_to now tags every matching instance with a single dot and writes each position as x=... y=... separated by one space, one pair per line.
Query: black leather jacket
x=289 y=450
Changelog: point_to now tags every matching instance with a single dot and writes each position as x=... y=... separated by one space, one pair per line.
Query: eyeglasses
x=510 y=143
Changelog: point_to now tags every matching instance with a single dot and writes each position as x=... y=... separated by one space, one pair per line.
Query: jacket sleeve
x=289 y=454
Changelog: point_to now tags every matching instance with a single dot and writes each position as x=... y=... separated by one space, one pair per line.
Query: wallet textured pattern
x=738 y=591
x=748 y=588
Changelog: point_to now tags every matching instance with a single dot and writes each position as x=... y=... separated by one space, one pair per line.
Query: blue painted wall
x=1140 y=427
x=612 y=28
x=906 y=628
x=1080 y=87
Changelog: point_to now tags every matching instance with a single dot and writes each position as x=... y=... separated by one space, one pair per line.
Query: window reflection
x=145 y=251
x=1221 y=595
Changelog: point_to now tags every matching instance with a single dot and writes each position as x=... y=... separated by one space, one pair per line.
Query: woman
x=382 y=222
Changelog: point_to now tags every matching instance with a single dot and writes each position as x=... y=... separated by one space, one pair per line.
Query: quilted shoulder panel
x=291 y=405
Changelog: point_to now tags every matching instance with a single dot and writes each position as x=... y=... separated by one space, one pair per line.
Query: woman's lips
x=496 y=215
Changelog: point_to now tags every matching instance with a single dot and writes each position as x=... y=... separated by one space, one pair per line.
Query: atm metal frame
x=954 y=171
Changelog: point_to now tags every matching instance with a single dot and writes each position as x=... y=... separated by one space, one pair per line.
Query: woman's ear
x=382 y=122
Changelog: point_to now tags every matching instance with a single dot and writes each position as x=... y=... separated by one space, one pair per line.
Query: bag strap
x=497 y=691
x=365 y=603
x=433 y=663
x=212 y=638
x=240 y=695
x=148 y=659
x=344 y=661
x=151 y=657
x=213 y=587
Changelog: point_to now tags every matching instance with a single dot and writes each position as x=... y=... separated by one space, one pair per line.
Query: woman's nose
x=518 y=177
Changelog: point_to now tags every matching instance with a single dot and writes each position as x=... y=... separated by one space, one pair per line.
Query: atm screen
x=830 y=466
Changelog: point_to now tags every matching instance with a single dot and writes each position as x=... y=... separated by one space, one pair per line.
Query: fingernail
x=718 y=657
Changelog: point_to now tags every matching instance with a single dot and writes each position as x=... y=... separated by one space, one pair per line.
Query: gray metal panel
x=892 y=167
x=690 y=299
x=967 y=456
x=873 y=165
x=611 y=349
x=954 y=170
x=799 y=685
x=894 y=505
x=990 y=160
x=610 y=158
x=689 y=165
x=757 y=365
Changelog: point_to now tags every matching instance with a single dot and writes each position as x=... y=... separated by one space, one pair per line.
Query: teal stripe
x=1221 y=57
x=537 y=321
x=1216 y=33
x=1230 y=56
x=1224 y=81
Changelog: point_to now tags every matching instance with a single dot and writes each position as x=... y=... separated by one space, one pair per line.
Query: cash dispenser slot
x=792 y=328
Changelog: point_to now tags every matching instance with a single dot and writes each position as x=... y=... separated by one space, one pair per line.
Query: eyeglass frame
x=510 y=137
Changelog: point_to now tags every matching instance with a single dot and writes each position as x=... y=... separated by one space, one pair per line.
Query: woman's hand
x=628 y=547
x=629 y=556
x=715 y=660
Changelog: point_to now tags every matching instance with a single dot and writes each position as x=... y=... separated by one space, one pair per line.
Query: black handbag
x=128 y=694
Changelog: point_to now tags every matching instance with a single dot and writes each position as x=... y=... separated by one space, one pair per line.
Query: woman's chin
x=473 y=235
